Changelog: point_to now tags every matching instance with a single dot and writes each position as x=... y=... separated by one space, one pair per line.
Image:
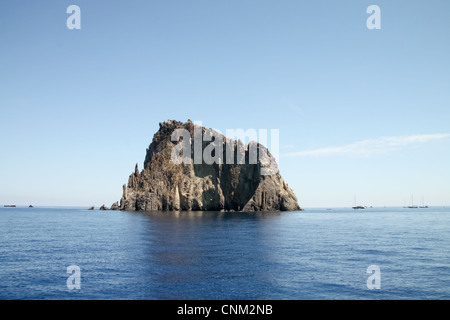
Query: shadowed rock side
x=164 y=185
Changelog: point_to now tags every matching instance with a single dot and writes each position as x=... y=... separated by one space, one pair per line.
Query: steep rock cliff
x=164 y=184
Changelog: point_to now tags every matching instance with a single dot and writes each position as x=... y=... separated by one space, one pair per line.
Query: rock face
x=115 y=206
x=164 y=184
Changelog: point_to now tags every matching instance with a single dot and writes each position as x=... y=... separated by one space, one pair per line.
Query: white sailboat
x=423 y=204
x=412 y=206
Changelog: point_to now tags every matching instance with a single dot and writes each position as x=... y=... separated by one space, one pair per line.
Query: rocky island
x=173 y=177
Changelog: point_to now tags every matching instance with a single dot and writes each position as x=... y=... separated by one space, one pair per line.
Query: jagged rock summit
x=227 y=184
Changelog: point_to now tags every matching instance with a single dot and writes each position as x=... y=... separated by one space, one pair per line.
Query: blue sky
x=362 y=113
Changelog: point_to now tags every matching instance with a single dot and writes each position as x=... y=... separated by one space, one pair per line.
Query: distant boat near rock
x=359 y=206
x=9 y=205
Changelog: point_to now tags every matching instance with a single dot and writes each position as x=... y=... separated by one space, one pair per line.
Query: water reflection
x=186 y=254
x=206 y=215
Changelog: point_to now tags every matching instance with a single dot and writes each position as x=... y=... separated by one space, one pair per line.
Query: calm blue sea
x=314 y=254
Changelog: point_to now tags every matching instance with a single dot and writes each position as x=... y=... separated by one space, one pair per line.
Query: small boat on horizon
x=423 y=204
x=412 y=206
x=9 y=205
x=359 y=206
